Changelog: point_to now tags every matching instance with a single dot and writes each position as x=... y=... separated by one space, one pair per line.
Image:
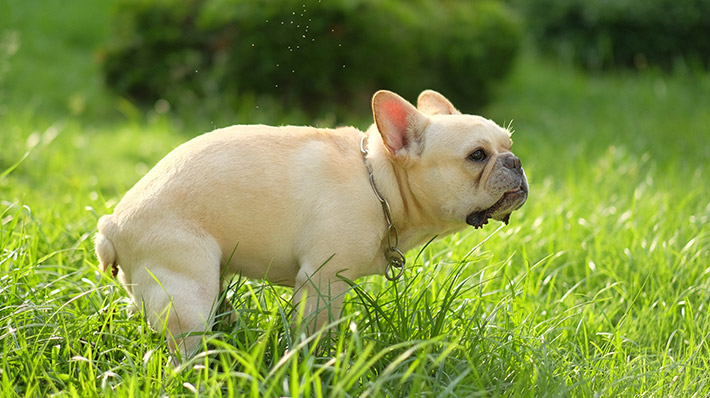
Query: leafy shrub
x=627 y=33
x=308 y=54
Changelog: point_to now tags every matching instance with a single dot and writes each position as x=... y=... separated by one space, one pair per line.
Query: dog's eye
x=478 y=155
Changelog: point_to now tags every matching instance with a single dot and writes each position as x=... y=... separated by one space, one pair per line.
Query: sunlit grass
x=598 y=287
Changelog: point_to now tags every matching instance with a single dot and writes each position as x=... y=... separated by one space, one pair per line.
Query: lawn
x=598 y=287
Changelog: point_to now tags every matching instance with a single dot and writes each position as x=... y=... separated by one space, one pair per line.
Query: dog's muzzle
x=510 y=201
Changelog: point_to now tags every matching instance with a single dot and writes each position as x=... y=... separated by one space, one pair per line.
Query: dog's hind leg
x=179 y=294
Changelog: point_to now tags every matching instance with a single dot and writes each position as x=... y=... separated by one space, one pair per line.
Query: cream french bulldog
x=304 y=207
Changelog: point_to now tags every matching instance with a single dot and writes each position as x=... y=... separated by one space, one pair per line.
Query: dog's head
x=458 y=167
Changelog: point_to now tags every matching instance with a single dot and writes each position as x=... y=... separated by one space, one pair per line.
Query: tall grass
x=598 y=287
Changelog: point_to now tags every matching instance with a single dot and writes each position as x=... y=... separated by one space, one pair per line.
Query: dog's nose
x=512 y=162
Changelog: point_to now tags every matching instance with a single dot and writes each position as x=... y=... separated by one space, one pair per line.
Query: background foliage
x=622 y=33
x=308 y=54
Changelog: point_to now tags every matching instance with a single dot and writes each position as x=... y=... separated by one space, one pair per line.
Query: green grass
x=598 y=287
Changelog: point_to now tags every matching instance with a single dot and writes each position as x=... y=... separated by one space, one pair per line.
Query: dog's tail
x=105 y=250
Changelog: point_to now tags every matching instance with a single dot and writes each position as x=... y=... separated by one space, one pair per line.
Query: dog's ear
x=399 y=122
x=432 y=103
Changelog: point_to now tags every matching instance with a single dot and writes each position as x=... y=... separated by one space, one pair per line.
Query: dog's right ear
x=432 y=103
x=400 y=124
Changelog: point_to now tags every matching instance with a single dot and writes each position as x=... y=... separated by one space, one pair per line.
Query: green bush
x=626 y=33
x=308 y=54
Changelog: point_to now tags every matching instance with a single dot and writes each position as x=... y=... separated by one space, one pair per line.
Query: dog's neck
x=413 y=223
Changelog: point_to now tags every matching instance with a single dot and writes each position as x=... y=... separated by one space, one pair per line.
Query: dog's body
x=295 y=205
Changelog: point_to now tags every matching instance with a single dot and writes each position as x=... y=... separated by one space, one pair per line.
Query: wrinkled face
x=465 y=165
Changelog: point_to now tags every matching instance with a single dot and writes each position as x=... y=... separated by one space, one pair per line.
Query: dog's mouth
x=510 y=201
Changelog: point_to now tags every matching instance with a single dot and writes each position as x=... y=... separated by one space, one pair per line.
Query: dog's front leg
x=318 y=298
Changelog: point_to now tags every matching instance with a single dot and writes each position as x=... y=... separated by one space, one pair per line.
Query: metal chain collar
x=395 y=258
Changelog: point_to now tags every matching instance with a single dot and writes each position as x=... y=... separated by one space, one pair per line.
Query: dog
x=305 y=207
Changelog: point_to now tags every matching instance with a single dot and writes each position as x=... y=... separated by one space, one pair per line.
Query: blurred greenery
x=312 y=55
x=622 y=33
x=48 y=57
